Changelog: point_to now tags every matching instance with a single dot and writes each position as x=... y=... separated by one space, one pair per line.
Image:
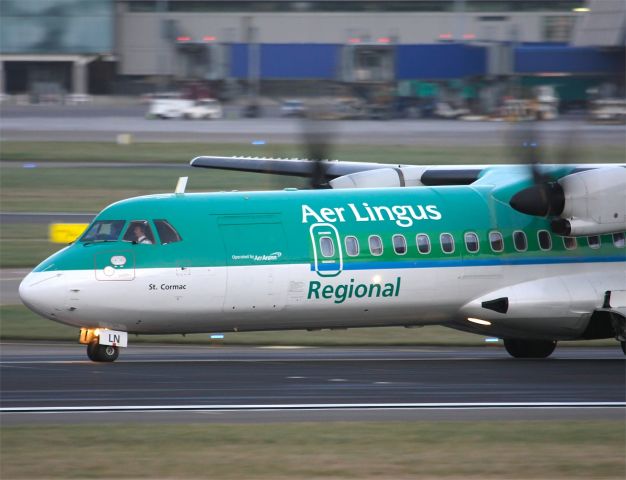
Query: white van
x=204 y=108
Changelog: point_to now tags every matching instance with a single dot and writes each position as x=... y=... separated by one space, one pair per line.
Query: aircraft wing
x=432 y=175
x=296 y=167
x=341 y=174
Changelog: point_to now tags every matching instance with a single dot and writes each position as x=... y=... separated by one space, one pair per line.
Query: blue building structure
x=308 y=61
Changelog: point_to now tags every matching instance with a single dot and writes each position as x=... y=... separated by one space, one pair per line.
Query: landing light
x=581 y=9
x=479 y=321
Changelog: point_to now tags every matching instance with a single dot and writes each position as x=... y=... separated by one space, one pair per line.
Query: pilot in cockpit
x=140 y=234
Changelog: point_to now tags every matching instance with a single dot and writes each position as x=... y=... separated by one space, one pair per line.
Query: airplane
x=529 y=255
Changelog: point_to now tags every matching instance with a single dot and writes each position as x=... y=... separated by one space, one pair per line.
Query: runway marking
x=282 y=347
x=435 y=358
x=9 y=363
x=313 y=406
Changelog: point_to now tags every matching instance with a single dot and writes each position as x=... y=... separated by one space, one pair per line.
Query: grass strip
x=25 y=245
x=337 y=450
x=149 y=152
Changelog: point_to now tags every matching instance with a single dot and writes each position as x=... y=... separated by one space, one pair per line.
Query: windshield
x=103 y=231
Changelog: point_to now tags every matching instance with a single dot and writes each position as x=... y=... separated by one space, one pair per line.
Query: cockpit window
x=167 y=233
x=139 y=231
x=103 y=231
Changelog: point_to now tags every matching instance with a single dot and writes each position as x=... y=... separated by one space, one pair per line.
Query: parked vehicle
x=445 y=110
x=293 y=108
x=608 y=110
x=204 y=108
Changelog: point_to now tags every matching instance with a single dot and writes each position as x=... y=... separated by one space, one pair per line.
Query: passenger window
x=376 y=245
x=399 y=244
x=570 y=243
x=352 y=246
x=167 y=233
x=618 y=240
x=520 y=241
x=139 y=231
x=545 y=240
x=496 y=241
x=471 y=242
x=447 y=243
x=104 y=231
x=327 y=247
x=423 y=243
x=594 y=241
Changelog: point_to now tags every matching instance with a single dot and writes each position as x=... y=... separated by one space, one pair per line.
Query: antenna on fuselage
x=181 y=185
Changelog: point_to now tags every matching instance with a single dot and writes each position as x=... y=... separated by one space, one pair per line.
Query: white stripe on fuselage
x=204 y=299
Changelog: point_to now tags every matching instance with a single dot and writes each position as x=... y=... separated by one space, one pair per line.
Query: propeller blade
x=317 y=136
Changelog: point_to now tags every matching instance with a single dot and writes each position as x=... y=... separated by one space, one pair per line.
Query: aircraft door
x=327 y=253
x=255 y=247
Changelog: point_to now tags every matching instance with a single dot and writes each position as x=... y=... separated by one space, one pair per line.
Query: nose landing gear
x=102 y=353
x=103 y=345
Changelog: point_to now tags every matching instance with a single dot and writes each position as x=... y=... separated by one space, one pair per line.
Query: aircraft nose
x=42 y=292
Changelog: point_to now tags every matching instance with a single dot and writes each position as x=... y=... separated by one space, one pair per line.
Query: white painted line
x=312 y=406
x=241 y=360
x=282 y=347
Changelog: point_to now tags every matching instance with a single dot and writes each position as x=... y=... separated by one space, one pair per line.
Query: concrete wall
x=143 y=50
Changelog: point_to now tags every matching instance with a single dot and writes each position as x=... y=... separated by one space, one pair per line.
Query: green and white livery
x=479 y=249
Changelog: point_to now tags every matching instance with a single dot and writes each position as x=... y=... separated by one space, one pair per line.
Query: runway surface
x=178 y=382
x=105 y=125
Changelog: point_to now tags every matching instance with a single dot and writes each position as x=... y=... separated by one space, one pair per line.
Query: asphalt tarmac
x=101 y=123
x=56 y=382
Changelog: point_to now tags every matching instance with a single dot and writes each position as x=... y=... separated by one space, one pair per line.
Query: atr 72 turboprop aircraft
x=529 y=257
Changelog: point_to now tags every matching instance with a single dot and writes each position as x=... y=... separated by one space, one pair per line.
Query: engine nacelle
x=592 y=202
x=595 y=202
x=523 y=309
x=381 y=178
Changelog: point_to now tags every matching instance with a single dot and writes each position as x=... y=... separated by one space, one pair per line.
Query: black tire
x=92 y=351
x=519 y=348
x=102 y=353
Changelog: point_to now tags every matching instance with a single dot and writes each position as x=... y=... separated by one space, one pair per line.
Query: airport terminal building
x=137 y=46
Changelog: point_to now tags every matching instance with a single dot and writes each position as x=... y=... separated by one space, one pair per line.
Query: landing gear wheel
x=102 y=353
x=529 y=348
